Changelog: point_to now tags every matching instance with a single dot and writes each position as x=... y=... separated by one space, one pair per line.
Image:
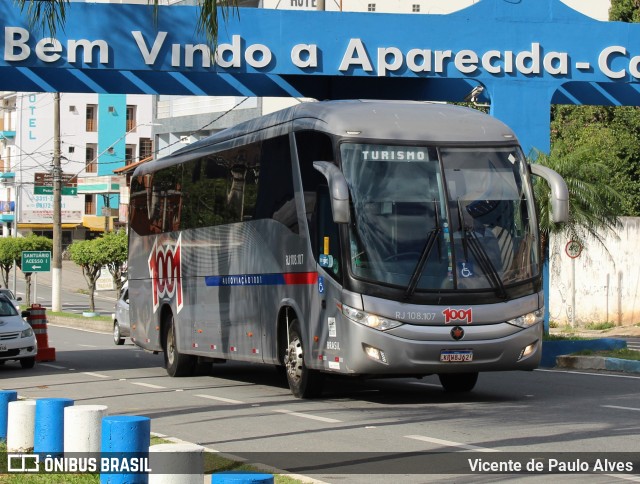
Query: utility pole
x=56 y=262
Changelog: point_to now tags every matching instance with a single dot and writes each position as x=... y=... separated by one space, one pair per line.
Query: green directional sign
x=36 y=261
x=49 y=190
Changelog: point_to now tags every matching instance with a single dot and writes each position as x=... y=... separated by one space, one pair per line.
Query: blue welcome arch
x=526 y=54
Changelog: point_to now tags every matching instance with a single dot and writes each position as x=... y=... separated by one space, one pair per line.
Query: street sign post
x=36 y=261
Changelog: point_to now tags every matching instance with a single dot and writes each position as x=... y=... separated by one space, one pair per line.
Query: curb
x=597 y=363
x=81 y=323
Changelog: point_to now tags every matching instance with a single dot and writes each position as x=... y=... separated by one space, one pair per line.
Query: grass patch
x=213 y=462
x=563 y=337
x=623 y=354
x=600 y=326
x=77 y=316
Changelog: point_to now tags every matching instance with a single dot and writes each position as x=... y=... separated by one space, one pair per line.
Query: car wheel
x=117 y=338
x=27 y=363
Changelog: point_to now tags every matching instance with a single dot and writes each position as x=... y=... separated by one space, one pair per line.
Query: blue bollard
x=48 y=434
x=6 y=396
x=125 y=447
x=241 y=478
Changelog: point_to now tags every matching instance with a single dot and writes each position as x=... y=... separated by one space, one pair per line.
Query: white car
x=17 y=340
x=11 y=297
x=121 y=326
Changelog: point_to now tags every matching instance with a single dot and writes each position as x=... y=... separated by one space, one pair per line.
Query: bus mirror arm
x=559 y=192
x=338 y=190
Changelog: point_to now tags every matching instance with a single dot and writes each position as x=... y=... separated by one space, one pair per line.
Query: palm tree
x=594 y=206
x=52 y=14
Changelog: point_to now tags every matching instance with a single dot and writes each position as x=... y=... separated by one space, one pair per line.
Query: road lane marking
x=450 y=443
x=97 y=375
x=622 y=408
x=611 y=375
x=88 y=346
x=306 y=415
x=148 y=385
x=53 y=366
x=220 y=399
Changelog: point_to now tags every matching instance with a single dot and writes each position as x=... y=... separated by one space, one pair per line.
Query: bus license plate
x=456 y=356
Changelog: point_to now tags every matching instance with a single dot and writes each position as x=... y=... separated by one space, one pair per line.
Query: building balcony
x=7 y=134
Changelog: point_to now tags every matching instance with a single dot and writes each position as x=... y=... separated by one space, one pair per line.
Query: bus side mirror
x=559 y=192
x=338 y=190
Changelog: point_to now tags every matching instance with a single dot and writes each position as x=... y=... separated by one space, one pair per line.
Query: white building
x=98 y=133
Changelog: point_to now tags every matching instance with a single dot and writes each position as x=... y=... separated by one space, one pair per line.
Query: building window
x=89 y=204
x=415 y=8
x=92 y=120
x=90 y=161
x=128 y=154
x=131 y=118
x=371 y=7
x=146 y=148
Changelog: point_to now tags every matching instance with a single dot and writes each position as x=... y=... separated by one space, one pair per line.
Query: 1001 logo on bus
x=165 y=271
x=465 y=315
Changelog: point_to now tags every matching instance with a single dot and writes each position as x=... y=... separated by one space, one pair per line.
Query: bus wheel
x=303 y=382
x=458 y=382
x=175 y=363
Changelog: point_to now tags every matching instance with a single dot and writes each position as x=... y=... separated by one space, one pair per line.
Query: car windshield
x=427 y=218
x=7 y=308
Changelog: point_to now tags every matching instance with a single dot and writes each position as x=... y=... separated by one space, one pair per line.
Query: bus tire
x=175 y=363
x=303 y=382
x=458 y=382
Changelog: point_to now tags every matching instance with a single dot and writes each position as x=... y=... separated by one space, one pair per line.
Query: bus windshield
x=431 y=219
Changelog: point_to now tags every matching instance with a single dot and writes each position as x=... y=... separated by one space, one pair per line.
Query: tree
x=51 y=14
x=9 y=253
x=30 y=243
x=625 y=10
x=87 y=254
x=113 y=246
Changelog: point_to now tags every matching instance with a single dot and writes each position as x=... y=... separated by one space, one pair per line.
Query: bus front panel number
x=456 y=356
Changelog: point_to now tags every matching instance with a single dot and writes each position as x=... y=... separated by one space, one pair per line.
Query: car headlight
x=371 y=320
x=27 y=333
x=528 y=319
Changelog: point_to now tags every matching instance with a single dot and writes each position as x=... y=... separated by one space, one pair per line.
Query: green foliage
x=88 y=255
x=625 y=10
x=114 y=247
x=600 y=326
x=9 y=252
x=594 y=206
x=608 y=135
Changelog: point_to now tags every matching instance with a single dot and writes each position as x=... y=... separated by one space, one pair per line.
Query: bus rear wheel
x=175 y=363
x=303 y=382
x=458 y=382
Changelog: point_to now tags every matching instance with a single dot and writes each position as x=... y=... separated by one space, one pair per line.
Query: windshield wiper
x=424 y=255
x=470 y=241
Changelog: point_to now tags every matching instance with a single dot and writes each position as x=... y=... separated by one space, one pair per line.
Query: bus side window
x=327 y=241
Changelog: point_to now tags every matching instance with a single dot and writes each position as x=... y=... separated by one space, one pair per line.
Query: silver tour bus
x=353 y=238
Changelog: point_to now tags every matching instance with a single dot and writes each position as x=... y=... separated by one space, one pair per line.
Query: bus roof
x=361 y=119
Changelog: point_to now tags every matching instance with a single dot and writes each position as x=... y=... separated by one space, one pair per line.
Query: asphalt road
x=247 y=410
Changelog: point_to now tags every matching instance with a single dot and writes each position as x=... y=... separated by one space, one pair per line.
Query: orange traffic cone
x=38 y=321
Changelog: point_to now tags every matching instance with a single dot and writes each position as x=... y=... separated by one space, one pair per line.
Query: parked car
x=121 y=326
x=17 y=339
x=11 y=297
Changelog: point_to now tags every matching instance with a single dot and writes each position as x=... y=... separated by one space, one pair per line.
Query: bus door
x=326 y=298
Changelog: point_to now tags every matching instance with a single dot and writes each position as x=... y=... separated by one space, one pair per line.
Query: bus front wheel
x=303 y=382
x=175 y=363
x=458 y=382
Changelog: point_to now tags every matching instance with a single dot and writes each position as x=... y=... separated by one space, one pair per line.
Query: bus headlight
x=371 y=320
x=528 y=319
